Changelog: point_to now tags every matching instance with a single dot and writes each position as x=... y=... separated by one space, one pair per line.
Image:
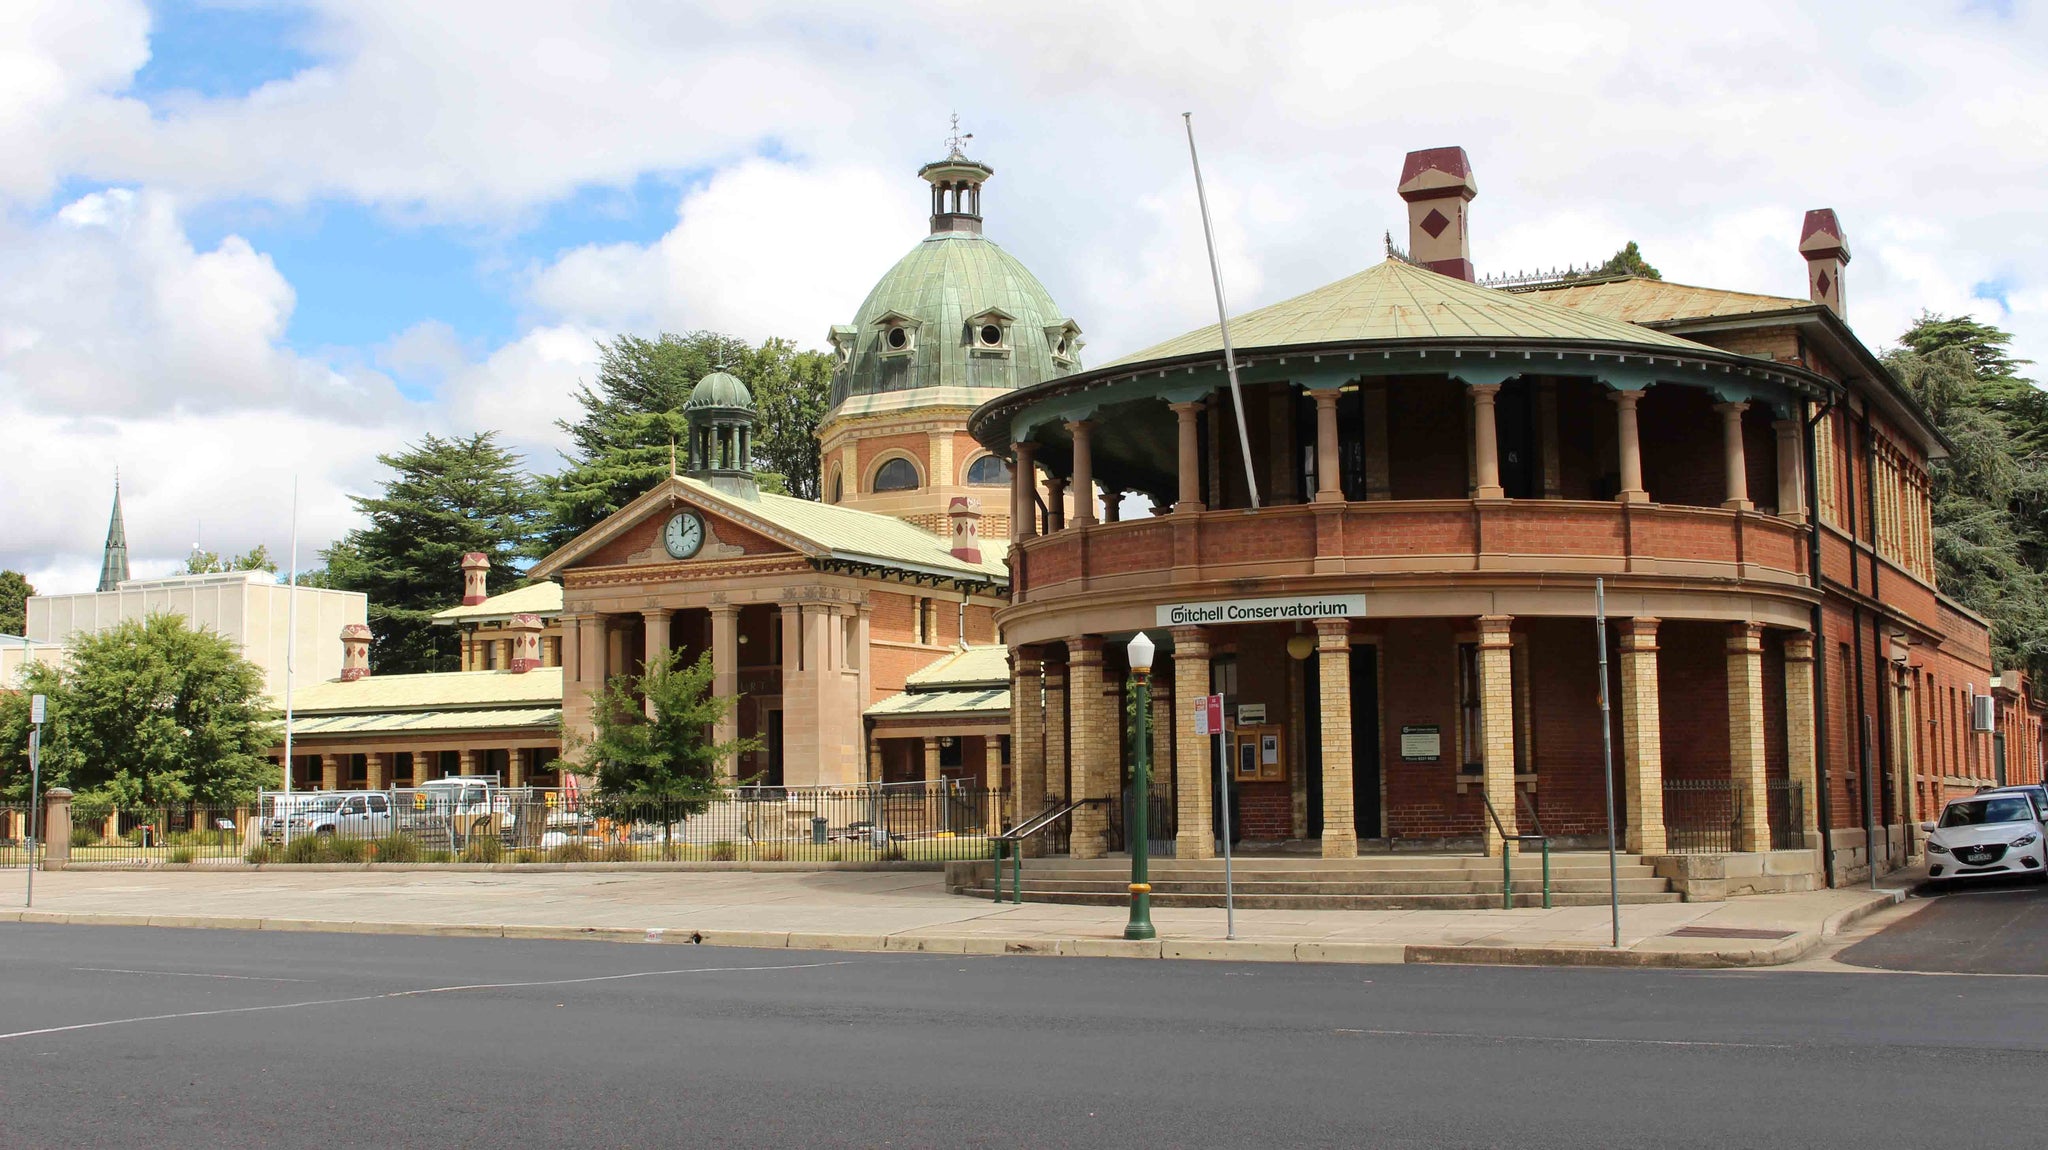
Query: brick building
x=1392 y=581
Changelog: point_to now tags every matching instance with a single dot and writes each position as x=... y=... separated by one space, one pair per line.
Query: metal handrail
x=1507 y=866
x=1010 y=844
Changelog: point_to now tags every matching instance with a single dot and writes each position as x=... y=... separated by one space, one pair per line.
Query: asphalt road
x=142 y=1037
x=1983 y=926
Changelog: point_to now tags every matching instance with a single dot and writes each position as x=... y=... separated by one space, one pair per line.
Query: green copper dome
x=957 y=312
x=720 y=390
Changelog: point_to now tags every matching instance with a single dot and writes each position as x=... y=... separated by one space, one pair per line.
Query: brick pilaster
x=1193 y=772
x=1497 y=722
x=1340 y=817
x=1094 y=748
x=1058 y=720
x=378 y=770
x=1746 y=735
x=1802 y=755
x=1027 y=733
x=330 y=772
x=1642 y=738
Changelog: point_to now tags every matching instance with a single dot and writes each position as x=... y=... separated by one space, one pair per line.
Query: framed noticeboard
x=1422 y=743
x=1259 y=754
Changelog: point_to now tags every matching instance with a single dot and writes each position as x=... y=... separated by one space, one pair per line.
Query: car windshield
x=1985 y=811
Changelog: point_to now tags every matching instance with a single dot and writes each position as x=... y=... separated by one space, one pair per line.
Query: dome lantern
x=720 y=414
x=956 y=187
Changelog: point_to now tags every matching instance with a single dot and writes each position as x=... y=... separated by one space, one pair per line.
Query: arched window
x=989 y=471
x=896 y=475
x=838 y=487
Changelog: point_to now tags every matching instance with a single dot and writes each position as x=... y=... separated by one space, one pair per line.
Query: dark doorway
x=1515 y=427
x=1365 y=742
x=773 y=776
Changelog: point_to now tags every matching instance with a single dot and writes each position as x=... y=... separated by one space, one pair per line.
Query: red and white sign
x=1209 y=715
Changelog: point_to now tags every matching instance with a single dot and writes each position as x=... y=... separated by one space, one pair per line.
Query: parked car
x=364 y=815
x=1998 y=832
x=2034 y=791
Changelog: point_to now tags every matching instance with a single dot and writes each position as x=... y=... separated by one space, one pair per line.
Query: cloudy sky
x=241 y=243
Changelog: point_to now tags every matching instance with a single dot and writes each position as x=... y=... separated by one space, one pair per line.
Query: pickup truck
x=359 y=815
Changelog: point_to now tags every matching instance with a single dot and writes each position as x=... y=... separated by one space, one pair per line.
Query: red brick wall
x=916 y=445
x=1681 y=446
x=1692 y=698
x=647 y=533
x=1426 y=453
x=1564 y=707
x=1419 y=685
x=1587 y=450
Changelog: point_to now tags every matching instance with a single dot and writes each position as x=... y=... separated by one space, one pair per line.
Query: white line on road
x=413 y=994
x=1557 y=1038
x=187 y=974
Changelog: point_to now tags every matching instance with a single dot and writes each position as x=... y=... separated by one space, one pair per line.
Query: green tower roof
x=720 y=390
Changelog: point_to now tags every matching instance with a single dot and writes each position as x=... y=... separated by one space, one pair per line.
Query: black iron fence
x=14 y=845
x=1161 y=817
x=1703 y=816
x=1786 y=807
x=173 y=833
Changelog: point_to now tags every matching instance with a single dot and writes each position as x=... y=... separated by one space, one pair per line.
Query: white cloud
x=522 y=388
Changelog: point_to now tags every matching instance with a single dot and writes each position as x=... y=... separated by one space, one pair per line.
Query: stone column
x=1746 y=735
x=1094 y=747
x=614 y=651
x=1058 y=720
x=1055 y=503
x=378 y=771
x=1333 y=661
x=1631 y=443
x=572 y=649
x=1027 y=736
x=466 y=760
x=725 y=682
x=1024 y=492
x=874 y=759
x=56 y=828
x=1791 y=471
x=1733 y=467
x=1193 y=770
x=590 y=665
x=425 y=765
x=1329 y=482
x=931 y=758
x=1379 y=478
x=1497 y=722
x=1186 y=417
x=992 y=776
x=1802 y=757
x=1083 y=473
x=1112 y=505
x=515 y=767
x=330 y=772
x=1642 y=738
x=1485 y=444
x=654 y=649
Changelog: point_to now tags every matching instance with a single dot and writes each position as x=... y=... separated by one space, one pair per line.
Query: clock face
x=683 y=535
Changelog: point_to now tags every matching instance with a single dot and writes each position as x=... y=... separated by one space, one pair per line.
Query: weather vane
x=954 y=141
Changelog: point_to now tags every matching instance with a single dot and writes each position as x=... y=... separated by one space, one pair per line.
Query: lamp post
x=1139 y=652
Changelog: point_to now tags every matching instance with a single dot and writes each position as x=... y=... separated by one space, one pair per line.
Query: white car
x=1996 y=833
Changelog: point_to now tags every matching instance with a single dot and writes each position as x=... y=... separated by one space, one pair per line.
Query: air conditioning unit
x=1983 y=713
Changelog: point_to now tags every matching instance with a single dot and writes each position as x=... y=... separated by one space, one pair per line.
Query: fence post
x=56 y=828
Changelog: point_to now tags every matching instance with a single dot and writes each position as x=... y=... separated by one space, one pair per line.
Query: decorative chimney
x=475 y=567
x=355 y=652
x=525 y=643
x=1827 y=252
x=1438 y=183
x=966 y=516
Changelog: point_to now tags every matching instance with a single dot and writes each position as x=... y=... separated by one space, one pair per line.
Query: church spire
x=114 y=563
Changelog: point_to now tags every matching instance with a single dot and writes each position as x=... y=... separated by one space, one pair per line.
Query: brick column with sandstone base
x=1746 y=736
x=378 y=770
x=1094 y=744
x=1333 y=661
x=1193 y=773
x=1027 y=739
x=425 y=765
x=1497 y=723
x=1802 y=757
x=515 y=767
x=1642 y=739
x=330 y=772
x=1058 y=719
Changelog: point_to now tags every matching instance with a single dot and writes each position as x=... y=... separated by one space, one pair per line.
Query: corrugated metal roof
x=942 y=703
x=1397 y=300
x=972 y=666
x=542 y=598
x=1638 y=300
x=444 y=690
x=426 y=722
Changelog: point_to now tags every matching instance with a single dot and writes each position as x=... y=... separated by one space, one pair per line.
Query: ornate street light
x=1139 y=652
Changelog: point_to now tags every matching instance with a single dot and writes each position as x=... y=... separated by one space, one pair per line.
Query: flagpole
x=1244 y=439
x=291 y=646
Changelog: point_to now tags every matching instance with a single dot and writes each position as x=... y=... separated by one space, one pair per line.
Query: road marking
x=1557 y=1038
x=187 y=974
x=413 y=994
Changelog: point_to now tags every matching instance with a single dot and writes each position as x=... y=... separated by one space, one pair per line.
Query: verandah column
x=1630 y=443
x=1187 y=426
x=1485 y=443
x=1340 y=818
x=377 y=770
x=1642 y=738
x=725 y=681
x=1083 y=473
x=1734 y=467
x=1746 y=736
x=1024 y=492
x=1329 y=484
x=1194 y=834
x=1791 y=471
x=931 y=758
x=1802 y=753
x=1497 y=723
x=1094 y=744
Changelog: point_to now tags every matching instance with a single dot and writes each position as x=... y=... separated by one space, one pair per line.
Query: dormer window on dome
x=1063 y=340
x=896 y=333
x=988 y=332
x=843 y=337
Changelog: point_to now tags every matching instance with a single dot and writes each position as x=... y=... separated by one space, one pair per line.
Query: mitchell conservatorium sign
x=1260 y=610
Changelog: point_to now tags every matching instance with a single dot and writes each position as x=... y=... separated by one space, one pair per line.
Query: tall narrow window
x=1471 y=735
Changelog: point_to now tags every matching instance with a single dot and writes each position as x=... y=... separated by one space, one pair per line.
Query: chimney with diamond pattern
x=1438 y=184
x=476 y=570
x=1827 y=252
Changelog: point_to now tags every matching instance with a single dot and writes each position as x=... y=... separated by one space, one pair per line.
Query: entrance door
x=773 y=776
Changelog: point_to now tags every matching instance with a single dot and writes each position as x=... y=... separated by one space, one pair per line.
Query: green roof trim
x=440 y=690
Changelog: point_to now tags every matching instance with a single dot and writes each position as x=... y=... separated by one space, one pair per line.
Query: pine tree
x=671 y=756
x=445 y=498
x=1629 y=261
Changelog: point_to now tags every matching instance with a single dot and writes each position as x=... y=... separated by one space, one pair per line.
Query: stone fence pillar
x=56 y=829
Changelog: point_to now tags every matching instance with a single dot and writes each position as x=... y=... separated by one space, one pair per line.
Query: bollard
x=56 y=828
x=817 y=831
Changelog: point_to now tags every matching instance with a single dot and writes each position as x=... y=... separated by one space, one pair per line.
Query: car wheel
x=325 y=831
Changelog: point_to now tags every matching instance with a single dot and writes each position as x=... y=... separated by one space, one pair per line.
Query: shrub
x=522 y=855
x=620 y=852
x=306 y=849
x=724 y=851
x=397 y=849
x=180 y=856
x=344 y=850
x=437 y=857
x=259 y=854
x=570 y=853
x=84 y=837
x=484 y=850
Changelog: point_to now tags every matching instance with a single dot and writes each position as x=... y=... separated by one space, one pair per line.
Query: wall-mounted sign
x=1209 y=715
x=1422 y=744
x=1260 y=610
x=1249 y=713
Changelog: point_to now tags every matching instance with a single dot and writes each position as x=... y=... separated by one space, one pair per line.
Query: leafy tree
x=670 y=756
x=15 y=590
x=205 y=562
x=633 y=417
x=148 y=712
x=445 y=497
x=1629 y=261
x=1985 y=344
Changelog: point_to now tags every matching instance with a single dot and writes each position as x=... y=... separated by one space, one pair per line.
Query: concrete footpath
x=909 y=910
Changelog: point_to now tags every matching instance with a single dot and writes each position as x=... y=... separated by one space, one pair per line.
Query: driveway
x=1991 y=926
